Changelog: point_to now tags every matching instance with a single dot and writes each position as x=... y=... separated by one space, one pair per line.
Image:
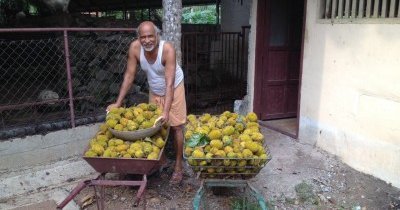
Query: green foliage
x=199 y=15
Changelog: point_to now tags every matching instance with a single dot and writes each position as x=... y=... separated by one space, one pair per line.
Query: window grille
x=360 y=9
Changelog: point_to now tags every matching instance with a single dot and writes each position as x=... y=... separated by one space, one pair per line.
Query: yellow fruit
x=152 y=156
x=109 y=134
x=101 y=138
x=139 y=154
x=245 y=138
x=119 y=127
x=156 y=149
x=118 y=141
x=261 y=151
x=215 y=134
x=104 y=127
x=231 y=155
x=159 y=143
x=220 y=154
x=211 y=170
x=129 y=115
x=205 y=117
x=227 y=162
x=209 y=156
x=216 y=143
x=201 y=130
x=127 y=155
x=136 y=146
x=242 y=163
x=188 y=134
x=203 y=163
x=223 y=118
x=146 y=124
x=207 y=148
x=122 y=147
x=131 y=152
x=192 y=162
x=247 y=153
x=198 y=153
x=143 y=106
x=228 y=149
x=107 y=153
x=191 y=117
x=252 y=117
x=227 y=114
x=152 y=107
x=97 y=148
x=239 y=127
x=233 y=163
x=257 y=136
x=90 y=153
x=139 y=119
x=123 y=121
x=188 y=151
x=148 y=114
x=132 y=125
x=228 y=130
x=231 y=121
x=252 y=125
x=164 y=132
x=213 y=150
x=252 y=146
x=147 y=149
x=220 y=123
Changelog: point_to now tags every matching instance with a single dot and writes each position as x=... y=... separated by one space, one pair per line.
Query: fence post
x=69 y=77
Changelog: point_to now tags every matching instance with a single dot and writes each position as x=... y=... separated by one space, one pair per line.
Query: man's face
x=148 y=37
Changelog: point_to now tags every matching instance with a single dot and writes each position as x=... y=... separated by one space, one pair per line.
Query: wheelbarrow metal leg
x=73 y=193
x=141 y=190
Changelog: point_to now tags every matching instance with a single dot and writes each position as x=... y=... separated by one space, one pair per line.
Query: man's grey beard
x=148 y=49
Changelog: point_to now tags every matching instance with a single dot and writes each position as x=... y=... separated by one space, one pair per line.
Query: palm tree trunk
x=172 y=25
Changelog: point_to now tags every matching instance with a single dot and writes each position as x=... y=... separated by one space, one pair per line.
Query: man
x=165 y=77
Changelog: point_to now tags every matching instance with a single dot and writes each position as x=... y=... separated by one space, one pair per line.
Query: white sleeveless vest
x=156 y=72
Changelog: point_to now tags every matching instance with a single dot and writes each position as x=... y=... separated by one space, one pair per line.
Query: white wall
x=350 y=94
x=234 y=15
x=22 y=153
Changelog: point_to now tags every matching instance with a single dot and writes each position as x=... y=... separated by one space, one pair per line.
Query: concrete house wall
x=350 y=92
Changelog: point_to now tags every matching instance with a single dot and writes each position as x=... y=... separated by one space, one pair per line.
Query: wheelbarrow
x=135 y=166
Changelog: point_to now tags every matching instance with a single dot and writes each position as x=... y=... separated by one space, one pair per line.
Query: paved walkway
x=299 y=176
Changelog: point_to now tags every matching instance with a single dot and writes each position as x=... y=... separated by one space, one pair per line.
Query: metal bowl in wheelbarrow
x=128 y=165
x=138 y=134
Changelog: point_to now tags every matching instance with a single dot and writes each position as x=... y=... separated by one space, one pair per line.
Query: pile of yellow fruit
x=104 y=144
x=133 y=118
x=107 y=146
x=235 y=143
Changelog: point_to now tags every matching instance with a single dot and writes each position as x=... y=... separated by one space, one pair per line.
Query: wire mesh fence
x=53 y=79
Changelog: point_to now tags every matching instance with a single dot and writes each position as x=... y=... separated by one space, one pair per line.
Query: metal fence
x=63 y=77
x=215 y=65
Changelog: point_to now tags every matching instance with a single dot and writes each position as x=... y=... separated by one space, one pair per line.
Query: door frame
x=259 y=58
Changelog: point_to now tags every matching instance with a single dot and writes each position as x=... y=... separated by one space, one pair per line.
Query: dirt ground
x=299 y=176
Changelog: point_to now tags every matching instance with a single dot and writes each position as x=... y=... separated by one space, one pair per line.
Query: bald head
x=148 y=26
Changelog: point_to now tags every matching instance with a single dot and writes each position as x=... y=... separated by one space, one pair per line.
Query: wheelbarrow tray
x=121 y=165
x=126 y=165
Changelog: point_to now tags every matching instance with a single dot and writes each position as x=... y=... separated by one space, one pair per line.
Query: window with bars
x=360 y=10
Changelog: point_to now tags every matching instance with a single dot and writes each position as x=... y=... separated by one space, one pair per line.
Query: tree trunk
x=172 y=25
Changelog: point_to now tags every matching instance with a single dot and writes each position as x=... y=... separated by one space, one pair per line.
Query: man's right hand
x=114 y=105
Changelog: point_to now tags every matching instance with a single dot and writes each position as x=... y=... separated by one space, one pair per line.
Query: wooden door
x=279 y=35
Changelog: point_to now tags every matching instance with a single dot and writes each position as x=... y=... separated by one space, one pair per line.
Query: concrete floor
x=286 y=126
x=293 y=162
